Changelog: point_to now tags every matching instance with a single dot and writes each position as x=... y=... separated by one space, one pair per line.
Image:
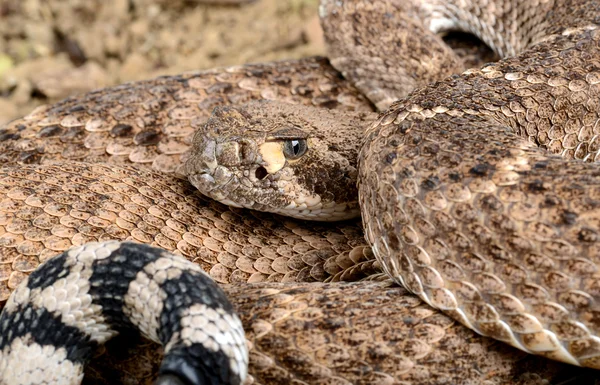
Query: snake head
x=287 y=159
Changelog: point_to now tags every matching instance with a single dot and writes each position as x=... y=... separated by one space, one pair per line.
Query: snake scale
x=106 y=165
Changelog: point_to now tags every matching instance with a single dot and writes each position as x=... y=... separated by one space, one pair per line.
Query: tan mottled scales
x=143 y=122
x=464 y=197
x=305 y=334
x=383 y=332
x=459 y=203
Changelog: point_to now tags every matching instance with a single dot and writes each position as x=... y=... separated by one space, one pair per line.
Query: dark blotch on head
x=6 y=135
x=481 y=169
x=536 y=186
x=431 y=183
x=320 y=188
x=121 y=130
x=568 y=217
x=50 y=131
x=455 y=177
x=146 y=138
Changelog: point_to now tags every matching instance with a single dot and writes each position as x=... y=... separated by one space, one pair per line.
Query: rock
x=314 y=34
x=41 y=38
x=60 y=83
x=91 y=44
x=6 y=63
x=8 y=111
x=135 y=67
x=20 y=93
x=17 y=81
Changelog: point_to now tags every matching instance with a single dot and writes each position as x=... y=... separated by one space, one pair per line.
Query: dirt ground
x=50 y=49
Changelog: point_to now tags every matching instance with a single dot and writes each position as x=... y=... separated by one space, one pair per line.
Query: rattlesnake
x=43 y=212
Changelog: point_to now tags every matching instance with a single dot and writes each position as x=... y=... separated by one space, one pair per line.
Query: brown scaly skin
x=349 y=334
x=49 y=208
x=152 y=122
x=465 y=211
x=459 y=205
x=169 y=204
x=386 y=48
x=233 y=245
x=517 y=223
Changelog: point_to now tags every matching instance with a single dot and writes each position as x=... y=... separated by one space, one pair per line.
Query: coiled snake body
x=458 y=208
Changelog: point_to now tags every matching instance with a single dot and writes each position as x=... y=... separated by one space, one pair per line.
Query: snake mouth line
x=256 y=177
x=245 y=191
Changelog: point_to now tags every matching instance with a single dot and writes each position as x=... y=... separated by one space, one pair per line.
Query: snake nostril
x=261 y=173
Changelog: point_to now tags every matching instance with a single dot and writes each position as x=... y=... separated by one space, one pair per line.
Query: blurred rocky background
x=51 y=49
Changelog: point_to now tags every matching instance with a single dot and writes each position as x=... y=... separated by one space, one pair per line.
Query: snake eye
x=294 y=148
